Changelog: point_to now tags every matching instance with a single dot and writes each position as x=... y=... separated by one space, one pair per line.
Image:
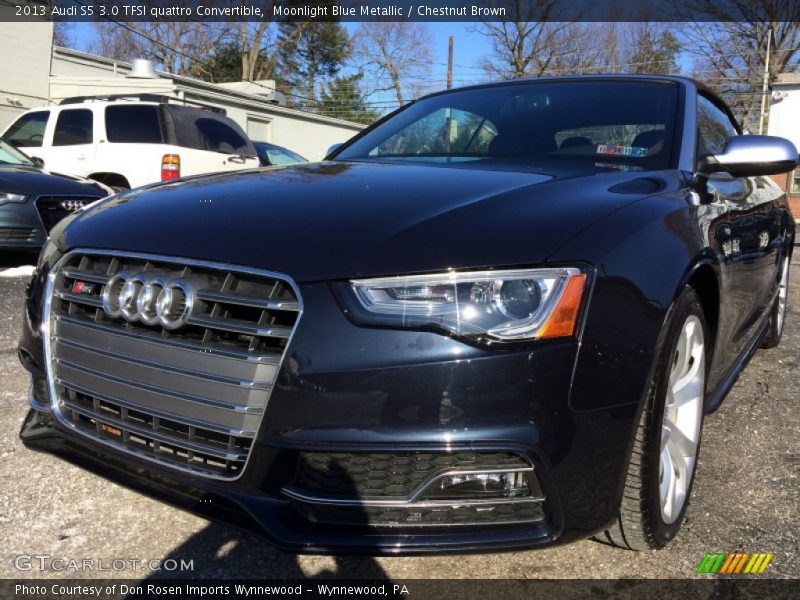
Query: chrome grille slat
x=173 y=343
x=84 y=275
x=191 y=396
x=210 y=377
x=238 y=326
x=80 y=299
x=70 y=366
x=156 y=435
x=212 y=296
x=161 y=414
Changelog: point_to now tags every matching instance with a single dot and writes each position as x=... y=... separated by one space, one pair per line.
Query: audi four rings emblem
x=150 y=297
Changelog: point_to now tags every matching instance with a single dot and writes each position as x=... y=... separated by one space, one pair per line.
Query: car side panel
x=643 y=255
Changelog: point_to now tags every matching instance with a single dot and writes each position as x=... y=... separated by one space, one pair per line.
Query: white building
x=33 y=73
x=24 y=67
x=784 y=121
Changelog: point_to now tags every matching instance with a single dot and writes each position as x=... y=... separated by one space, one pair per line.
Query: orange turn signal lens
x=564 y=319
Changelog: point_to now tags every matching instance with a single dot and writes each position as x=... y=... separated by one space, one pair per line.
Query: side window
x=205 y=130
x=73 y=127
x=133 y=124
x=28 y=130
x=714 y=127
x=218 y=136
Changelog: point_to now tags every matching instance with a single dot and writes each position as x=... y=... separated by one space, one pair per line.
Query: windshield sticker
x=618 y=166
x=613 y=150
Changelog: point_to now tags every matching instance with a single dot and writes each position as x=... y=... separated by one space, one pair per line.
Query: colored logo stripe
x=738 y=562
x=711 y=563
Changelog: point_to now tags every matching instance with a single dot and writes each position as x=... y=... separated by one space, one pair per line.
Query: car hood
x=335 y=220
x=33 y=181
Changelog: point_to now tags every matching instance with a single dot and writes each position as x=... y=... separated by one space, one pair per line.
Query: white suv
x=125 y=142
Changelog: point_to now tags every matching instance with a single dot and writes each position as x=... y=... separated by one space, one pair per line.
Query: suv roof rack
x=141 y=98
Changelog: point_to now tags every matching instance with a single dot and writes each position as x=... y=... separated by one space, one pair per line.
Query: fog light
x=499 y=484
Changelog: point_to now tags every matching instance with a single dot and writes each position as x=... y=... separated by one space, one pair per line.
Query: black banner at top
x=400 y=10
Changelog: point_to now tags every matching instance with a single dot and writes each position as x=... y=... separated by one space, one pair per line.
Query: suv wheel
x=667 y=442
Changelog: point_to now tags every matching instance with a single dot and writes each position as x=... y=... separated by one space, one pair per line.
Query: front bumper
x=20 y=227
x=387 y=393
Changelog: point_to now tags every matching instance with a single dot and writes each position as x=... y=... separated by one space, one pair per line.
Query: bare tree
x=177 y=47
x=253 y=39
x=733 y=54
x=394 y=54
x=63 y=34
x=653 y=48
x=258 y=46
x=529 y=42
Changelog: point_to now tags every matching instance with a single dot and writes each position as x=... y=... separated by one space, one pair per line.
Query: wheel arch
x=704 y=279
x=111 y=179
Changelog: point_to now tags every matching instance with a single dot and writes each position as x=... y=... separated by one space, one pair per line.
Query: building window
x=794 y=184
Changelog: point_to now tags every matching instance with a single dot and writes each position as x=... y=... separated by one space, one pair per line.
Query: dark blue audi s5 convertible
x=494 y=319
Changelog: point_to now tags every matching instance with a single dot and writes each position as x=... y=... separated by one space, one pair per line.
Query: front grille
x=54 y=208
x=386 y=475
x=13 y=235
x=191 y=397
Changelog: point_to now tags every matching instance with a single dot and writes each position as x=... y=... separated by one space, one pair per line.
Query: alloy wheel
x=783 y=292
x=683 y=415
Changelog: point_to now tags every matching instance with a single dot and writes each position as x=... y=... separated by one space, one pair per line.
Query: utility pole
x=765 y=83
x=450 y=64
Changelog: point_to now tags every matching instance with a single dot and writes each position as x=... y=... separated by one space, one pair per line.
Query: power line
x=436 y=83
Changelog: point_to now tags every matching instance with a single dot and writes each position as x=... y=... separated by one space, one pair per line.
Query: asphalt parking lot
x=745 y=497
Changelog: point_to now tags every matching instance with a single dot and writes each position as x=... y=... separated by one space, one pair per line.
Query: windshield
x=605 y=124
x=277 y=155
x=11 y=156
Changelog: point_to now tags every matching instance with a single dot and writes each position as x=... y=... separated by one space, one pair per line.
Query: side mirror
x=37 y=162
x=333 y=149
x=751 y=156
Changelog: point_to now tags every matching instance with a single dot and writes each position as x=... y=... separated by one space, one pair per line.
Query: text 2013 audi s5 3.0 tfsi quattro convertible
x=494 y=319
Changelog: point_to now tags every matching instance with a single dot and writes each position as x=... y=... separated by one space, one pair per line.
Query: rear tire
x=660 y=474
x=777 y=318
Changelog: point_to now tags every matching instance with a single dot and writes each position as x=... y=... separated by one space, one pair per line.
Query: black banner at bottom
x=464 y=589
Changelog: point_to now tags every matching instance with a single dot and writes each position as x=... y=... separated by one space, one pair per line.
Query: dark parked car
x=495 y=319
x=271 y=155
x=33 y=200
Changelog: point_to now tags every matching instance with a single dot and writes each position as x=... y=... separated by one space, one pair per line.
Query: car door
x=73 y=148
x=28 y=134
x=745 y=233
x=131 y=142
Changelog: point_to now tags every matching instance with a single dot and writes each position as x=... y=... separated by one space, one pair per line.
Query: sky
x=468 y=48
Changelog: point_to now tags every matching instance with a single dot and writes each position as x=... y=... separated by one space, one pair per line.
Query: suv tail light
x=170 y=167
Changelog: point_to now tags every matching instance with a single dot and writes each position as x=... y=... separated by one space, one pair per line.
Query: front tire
x=777 y=317
x=663 y=461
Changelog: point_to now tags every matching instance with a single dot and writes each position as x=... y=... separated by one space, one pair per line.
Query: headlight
x=7 y=198
x=501 y=305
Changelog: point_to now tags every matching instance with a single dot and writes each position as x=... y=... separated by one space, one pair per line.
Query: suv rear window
x=137 y=124
x=73 y=127
x=28 y=130
x=205 y=130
